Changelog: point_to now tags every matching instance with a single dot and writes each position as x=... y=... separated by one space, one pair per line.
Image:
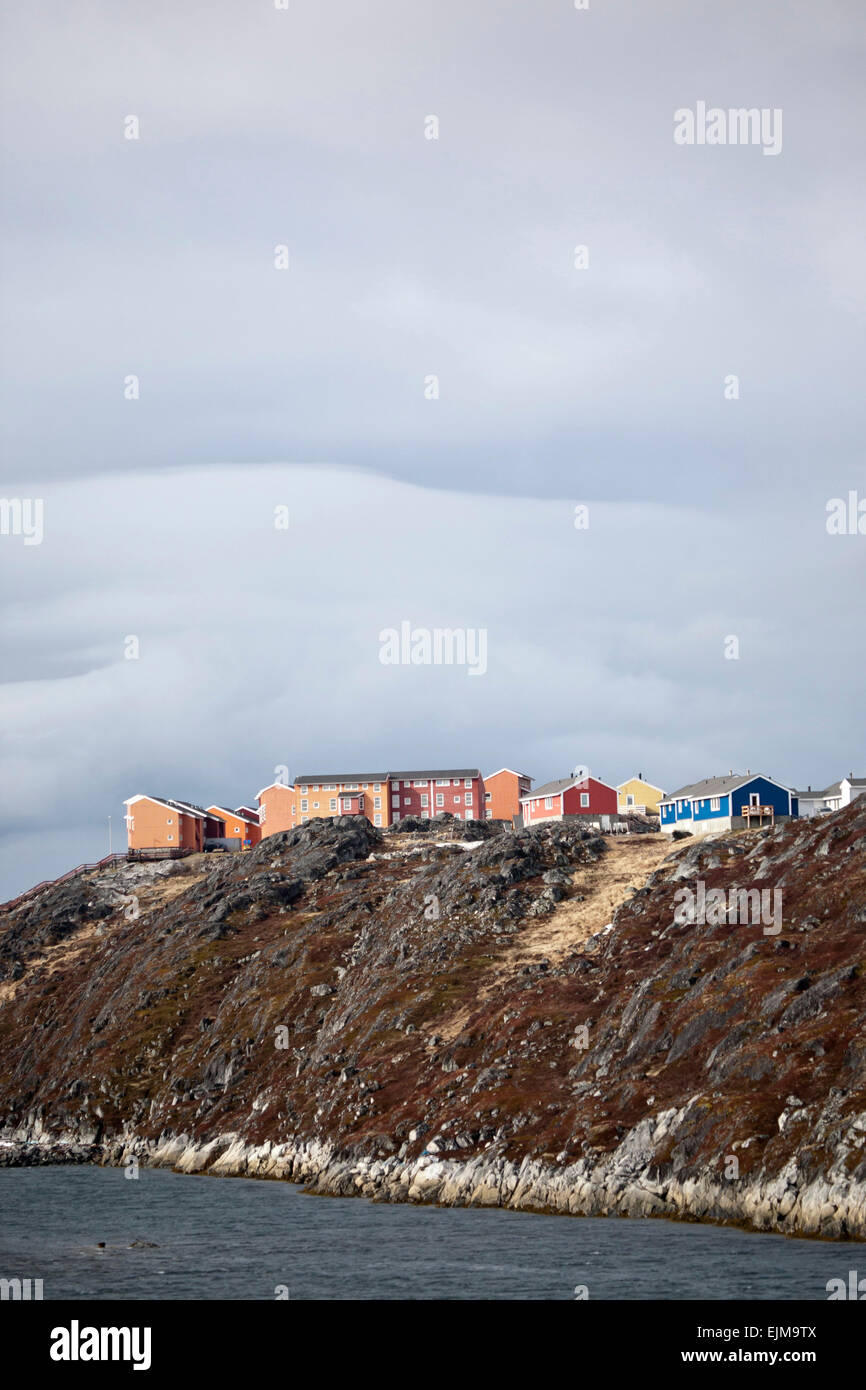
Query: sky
x=246 y=474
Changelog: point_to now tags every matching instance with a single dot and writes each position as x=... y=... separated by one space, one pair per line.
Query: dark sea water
x=236 y=1238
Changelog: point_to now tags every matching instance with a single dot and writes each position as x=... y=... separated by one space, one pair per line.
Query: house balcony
x=758 y=813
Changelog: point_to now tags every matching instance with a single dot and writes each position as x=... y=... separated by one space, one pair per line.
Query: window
x=548 y=803
x=486 y=796
x=316 y=787
x=377 y=802
x=419 y=784
x=304 y=820
x=363 y=786
x=303 y=805
x=315 y=805
x=169 y=837
x=457 y=799
x=629 y=800
x=350 y=786
x=377 y=786
x=467 y=781
x=237 y=830
x=715 y=803
x=407 y=801
x=331 y=787
x=440 y=799
x=443 y=782
x=468 y=798
x=332 y=805
x=395 y=802
x=169 y=821
x=377 y=820
x=425 y=800
x=457 y=781
x=754 y=798
x=584 y=798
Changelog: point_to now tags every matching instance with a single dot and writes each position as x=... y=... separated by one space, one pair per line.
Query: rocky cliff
x=439 y=1013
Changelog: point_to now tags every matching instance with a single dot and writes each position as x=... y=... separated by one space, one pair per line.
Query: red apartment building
x=458 y=790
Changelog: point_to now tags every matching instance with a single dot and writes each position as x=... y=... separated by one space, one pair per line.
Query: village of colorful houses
x=165 y=826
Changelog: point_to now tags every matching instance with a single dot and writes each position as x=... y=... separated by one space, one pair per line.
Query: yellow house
x=638 y=795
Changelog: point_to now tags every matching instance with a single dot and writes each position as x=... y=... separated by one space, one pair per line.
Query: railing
x=132 y=854
x=159 y=852
x=747 y=812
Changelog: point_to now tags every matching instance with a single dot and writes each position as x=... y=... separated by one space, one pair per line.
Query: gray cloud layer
x=558 y=386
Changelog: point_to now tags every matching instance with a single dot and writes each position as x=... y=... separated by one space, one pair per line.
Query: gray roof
x=424 y=775
x=320 y=777
x=710 y=786
x=811 y=794
x=835 y=789
x=187 y=806
x=237 y=815
x=550 y=788
x=441 y=772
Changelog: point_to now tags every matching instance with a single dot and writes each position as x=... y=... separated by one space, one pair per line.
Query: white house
x=832 y=798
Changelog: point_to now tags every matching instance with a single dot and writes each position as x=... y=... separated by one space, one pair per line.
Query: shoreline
x=829 y=1210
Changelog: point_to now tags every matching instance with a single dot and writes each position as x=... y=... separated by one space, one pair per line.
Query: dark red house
x=569 y=796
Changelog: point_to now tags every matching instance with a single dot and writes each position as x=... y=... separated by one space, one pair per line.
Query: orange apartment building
x=240 y=825
x=276 y=808
x=344 y=794
x=383 y=797
x=502 y=793
x=154 y=822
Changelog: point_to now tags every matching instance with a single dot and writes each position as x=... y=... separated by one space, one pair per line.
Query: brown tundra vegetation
x=444 y=1012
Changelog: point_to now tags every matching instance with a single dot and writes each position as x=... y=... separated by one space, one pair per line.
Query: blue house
x=727 y=803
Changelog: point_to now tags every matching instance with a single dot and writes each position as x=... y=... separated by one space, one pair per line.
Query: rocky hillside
x=444 y=1013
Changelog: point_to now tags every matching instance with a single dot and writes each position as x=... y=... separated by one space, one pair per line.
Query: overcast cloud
x=306 y=388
